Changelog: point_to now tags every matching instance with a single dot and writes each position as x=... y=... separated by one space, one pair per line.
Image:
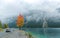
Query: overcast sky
x=9 y=8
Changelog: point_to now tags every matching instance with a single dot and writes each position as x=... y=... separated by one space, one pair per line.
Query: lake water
x=40 y=33
x=48 y=33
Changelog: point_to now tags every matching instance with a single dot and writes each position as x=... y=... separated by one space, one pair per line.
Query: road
x=15 y=34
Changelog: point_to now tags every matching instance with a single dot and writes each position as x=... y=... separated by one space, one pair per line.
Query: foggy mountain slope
x=35 y=19
x=52 y=22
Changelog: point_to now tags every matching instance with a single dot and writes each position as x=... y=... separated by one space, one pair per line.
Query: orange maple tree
x=20 y=21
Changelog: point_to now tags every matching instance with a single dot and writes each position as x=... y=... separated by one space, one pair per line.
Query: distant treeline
x=4 y=25
x=34 y=24
x=31 y=24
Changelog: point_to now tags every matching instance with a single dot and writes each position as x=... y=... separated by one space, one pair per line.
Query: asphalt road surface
x=15 y=34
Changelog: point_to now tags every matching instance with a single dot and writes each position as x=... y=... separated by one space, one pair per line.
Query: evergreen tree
x=5 y=25
x=0 y=24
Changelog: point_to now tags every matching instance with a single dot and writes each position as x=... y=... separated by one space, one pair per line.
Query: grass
x=1 y=30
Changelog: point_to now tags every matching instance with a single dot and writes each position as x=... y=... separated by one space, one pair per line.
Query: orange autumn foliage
x=20 y=21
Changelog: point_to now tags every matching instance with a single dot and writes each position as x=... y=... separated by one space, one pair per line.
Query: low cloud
x=33 y=9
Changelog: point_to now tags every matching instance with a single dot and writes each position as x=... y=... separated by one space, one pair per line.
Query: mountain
x=34 y=20
x=34 y=24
